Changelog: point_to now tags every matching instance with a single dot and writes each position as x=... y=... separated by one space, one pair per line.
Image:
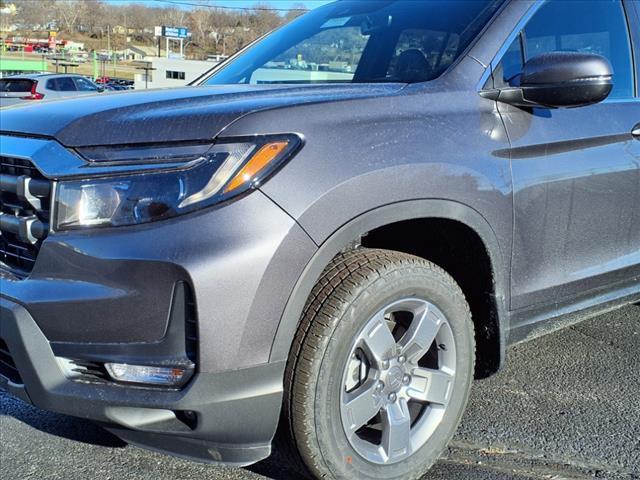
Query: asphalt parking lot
x=566 y=407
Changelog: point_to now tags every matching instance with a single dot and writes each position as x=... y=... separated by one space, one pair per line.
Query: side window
x=15 y=85
x=51 y=85
x=65 y=84
x=85 y=85
x=594 y=26
x=175 y=75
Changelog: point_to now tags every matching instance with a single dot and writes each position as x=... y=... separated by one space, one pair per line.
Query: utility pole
x=126 y=32
x=146 y=68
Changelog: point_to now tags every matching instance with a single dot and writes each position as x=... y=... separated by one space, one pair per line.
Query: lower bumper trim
x=227 y=417
x=194 y=449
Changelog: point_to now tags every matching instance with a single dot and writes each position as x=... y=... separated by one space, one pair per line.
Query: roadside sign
x=175 y=32
x=52 y=40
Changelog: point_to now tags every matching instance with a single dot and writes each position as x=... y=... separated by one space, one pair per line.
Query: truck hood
x=183 y=114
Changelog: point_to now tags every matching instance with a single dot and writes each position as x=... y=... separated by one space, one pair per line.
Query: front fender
x=353 y=230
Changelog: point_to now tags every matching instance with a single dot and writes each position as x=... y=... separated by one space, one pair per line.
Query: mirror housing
x=559 y=80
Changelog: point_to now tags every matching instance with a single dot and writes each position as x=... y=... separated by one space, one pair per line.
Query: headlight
x=209 y=175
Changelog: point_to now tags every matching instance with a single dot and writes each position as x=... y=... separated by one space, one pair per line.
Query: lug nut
x=406 y=379
x=380 y=386
x=392 y=397
x=385 y=364
x=402 y=359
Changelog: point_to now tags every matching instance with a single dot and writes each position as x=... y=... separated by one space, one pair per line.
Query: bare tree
x=262 y=19
x=90 y=15
x=174 y=17
x=201 y=25
x=136 y=17
x=296 y=10
x=68 y=12
x=35 y=15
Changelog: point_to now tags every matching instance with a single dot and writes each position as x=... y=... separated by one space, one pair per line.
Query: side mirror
x=559 y=80
x=100 y=89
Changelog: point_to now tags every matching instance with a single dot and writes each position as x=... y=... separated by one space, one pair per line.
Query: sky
x=231 y=3
x=275 y=3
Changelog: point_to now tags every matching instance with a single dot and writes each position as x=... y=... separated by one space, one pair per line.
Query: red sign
x=52 y=41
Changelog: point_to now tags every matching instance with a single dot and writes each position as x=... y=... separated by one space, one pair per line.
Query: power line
x=223 y=7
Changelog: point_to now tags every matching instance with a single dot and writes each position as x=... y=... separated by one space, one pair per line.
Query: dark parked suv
x=330 y=235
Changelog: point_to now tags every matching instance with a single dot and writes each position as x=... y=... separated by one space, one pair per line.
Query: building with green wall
x=16 y=66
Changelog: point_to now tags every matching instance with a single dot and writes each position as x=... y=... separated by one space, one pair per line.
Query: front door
x=576 y=172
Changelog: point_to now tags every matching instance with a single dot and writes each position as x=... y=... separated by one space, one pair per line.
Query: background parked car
x=42 y=87
x=110 y=83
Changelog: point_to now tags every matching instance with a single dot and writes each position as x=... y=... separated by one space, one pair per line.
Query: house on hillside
x=138 y=52
x=120 y=30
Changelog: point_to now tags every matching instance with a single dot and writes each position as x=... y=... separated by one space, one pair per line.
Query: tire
x=336 y=361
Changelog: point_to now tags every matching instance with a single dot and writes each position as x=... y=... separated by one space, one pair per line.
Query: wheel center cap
x=394 y=378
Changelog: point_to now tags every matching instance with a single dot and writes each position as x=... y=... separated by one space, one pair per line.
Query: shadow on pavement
x=59 y=425
x=274 y=468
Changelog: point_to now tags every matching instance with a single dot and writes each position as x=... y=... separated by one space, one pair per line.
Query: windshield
x=356 y=41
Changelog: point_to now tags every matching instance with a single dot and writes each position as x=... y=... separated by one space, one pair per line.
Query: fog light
x=166 y=376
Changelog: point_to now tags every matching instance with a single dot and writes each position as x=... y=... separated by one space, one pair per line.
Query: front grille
x=25 y=203
x=7 y=367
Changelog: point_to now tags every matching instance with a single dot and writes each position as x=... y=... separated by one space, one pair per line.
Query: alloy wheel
x=398 y=380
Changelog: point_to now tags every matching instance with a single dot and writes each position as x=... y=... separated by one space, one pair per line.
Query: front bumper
x=233 y=413
x=111 y=296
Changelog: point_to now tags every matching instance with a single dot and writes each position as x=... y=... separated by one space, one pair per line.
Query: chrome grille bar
x=24 y=213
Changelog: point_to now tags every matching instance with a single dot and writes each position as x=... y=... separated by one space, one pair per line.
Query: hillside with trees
x=102 y=25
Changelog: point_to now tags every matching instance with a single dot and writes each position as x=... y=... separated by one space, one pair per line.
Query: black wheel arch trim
x=379 y=217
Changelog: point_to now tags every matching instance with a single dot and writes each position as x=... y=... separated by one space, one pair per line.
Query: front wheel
x=381 y=368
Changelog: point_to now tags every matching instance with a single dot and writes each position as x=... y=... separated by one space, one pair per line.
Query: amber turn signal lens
x=258 y=162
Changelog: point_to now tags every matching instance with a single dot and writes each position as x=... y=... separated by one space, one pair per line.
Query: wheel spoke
x=361 y=406
x=421 y=334
x=396 y=431
x=433 y=386
x=379 y=339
